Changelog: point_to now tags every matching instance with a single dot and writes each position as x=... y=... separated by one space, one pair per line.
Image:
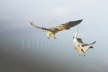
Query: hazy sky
x=26 y=49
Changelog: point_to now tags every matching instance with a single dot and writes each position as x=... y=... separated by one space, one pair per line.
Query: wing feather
x=42 y=28
x=66 y=26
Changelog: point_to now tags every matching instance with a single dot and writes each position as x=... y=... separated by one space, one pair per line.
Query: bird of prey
x=80 y=46
x=53 y=30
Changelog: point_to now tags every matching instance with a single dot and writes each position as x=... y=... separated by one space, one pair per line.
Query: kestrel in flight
x=53 y=30
x=80 y=46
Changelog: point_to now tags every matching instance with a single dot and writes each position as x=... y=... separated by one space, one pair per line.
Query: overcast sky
x=26 y=49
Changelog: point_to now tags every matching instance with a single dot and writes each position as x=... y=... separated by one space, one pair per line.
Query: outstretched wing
x=34 y=25
x=90 y=44
x=66 y=26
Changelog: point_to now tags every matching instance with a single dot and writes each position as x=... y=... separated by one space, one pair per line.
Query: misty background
x=24 y=48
